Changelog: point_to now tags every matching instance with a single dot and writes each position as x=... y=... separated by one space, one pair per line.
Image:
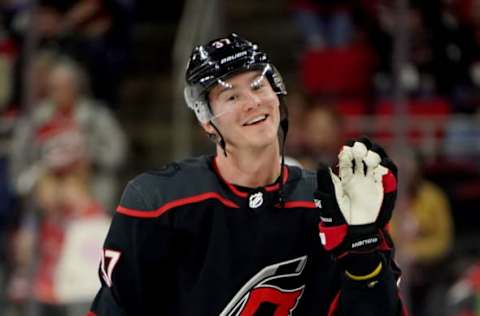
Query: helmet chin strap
x=219 y=138
x=281 y=193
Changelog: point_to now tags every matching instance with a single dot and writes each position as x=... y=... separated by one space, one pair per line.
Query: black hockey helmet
x=215 y=62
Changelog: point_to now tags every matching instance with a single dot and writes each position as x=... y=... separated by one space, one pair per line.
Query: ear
x=208 y=128
x=211 y=132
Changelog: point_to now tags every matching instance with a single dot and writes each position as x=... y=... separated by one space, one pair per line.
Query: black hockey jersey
x=186 y=242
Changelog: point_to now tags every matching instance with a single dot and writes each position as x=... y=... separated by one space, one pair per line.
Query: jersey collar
x=269 y=188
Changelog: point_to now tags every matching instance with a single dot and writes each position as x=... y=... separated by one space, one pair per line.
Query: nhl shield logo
x=255 y=200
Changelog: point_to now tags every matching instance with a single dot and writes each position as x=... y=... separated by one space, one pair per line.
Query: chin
x=264 y=140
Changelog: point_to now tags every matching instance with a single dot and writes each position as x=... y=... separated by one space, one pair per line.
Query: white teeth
x=256 y=119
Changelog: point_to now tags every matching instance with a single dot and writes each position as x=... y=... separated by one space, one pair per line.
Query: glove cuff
x=363 y=238
x=332 y=236
x=344 y=240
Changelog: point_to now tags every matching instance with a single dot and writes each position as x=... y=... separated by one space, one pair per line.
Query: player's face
x=246 y=110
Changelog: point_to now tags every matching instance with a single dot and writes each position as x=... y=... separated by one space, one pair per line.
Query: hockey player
x=239 y=232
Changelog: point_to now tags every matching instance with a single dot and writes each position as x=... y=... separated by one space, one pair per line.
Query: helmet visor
x=197 y=98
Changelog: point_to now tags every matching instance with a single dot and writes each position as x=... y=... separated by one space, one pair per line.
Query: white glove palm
x=359 y=190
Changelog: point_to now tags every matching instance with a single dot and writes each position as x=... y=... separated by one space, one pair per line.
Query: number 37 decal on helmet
x=221 y=42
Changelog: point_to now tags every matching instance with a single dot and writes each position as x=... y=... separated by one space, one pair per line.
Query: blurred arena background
x=91 y=95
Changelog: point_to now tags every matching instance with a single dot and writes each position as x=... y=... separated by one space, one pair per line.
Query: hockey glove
x=356 y=206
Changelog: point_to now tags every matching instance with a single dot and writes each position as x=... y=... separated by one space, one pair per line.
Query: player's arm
x=138 y=252
x=355 y=209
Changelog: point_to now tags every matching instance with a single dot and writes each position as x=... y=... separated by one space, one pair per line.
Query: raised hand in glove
x=356 y=205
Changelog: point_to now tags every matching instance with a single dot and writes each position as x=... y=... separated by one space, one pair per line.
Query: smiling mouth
x=256 y=120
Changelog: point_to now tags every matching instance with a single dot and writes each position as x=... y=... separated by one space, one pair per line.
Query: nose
x=252 y=101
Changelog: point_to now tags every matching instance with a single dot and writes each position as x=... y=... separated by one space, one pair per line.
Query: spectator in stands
x=60 y=243
x=423 y=231
x=323 y=134
x=7 y=202
x=417 y=74
x=438 y=48
x=466 y=95
x=324 y=23
x=68 y=104
x=462 y=299
x=40 y=67
x=8 y=57
x=297 y=108
x=96 y=33
x=336 y=60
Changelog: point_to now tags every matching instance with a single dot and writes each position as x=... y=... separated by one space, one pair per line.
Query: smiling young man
x=249 y=122
x=240 y=233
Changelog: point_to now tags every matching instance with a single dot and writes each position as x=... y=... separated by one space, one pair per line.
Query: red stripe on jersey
x=276 y=186
x=176 y=203
x=91 y=314
x=334 y=304
x=294 y=204
x=230 y=186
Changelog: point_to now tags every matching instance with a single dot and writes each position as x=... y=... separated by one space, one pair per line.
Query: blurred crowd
x=349 y=84
x=61 y=148
x=62 y=63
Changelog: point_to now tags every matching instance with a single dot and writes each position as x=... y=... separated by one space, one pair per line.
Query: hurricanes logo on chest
x=255 y=200
x=275 y=290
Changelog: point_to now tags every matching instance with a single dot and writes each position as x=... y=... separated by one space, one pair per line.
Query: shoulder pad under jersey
x=154 y=192
x=305 y=184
